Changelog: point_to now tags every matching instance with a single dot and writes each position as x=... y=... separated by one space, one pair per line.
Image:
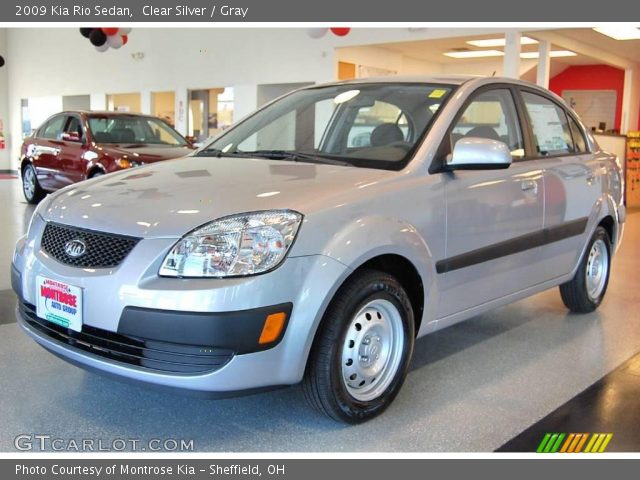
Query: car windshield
x=376 y=125
x=132 y=129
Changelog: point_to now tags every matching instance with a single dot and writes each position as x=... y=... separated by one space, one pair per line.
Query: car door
x=44 y=152
x=572 y=184
x=492 y=215
x=71 y=161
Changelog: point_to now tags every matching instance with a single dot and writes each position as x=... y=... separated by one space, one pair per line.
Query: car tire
x=97 y=173
x=31 y=189
x=361 y=353
x=584 y=293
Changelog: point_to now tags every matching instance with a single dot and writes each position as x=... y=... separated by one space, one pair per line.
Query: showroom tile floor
x=608 y=406
x=472 y=387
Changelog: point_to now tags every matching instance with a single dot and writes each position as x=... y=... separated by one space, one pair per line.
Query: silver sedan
x=315 y=240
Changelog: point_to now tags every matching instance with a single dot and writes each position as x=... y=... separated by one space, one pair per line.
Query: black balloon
x=98 y=37
x=86 y=32
x=1 y=61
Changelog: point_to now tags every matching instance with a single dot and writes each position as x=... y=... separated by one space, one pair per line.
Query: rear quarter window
x=579 y=142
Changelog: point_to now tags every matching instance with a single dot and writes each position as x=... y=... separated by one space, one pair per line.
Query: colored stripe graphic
x=543 y=443
x=604 y=445
x=598 y=443
x=567 y=443
x=556 y=446
x=591 y=443
x=574 y=443
x=581 y=443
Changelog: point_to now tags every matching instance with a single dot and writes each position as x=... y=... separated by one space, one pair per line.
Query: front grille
x=140 y=352
x=103 y=250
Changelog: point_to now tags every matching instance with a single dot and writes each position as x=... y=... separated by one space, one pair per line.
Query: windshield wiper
x=296 y=157
x=274 y=155
x=135 y=145
x=209 y=152
x=216 y=152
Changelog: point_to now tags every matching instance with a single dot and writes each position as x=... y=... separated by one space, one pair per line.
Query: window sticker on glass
x=546 y=122
x=438 y=93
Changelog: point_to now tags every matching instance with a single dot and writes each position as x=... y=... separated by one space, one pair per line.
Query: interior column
x=544 y=63
x=511 y=65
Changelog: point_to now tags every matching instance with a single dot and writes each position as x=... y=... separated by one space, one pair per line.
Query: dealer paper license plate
x=59 y=303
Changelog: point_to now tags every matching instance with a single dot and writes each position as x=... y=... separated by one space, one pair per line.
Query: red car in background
x=74 y=146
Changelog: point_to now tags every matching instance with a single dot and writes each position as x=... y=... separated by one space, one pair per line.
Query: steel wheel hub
x=372 y=350
x=597 y=269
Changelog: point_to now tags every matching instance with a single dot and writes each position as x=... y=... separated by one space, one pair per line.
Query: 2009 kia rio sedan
x=314 y=241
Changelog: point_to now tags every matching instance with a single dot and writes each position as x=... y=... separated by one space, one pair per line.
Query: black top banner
x=212 y=11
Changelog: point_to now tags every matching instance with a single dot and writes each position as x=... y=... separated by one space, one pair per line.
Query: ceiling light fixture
x=474 y=54
x=552 y=54
x=620 y=32
x=500 y=42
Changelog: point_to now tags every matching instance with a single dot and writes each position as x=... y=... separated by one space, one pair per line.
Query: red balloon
x=125 y=39
x=110 y=31
x=340 y=31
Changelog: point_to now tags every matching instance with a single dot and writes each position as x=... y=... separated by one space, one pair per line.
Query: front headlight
x=238 y=245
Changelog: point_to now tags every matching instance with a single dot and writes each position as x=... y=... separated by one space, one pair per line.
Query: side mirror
x=71 y=137
x=479 y=154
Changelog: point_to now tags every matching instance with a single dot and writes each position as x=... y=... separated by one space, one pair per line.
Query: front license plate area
x=59 y=303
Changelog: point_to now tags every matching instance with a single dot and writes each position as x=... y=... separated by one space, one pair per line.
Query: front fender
x=369 y=237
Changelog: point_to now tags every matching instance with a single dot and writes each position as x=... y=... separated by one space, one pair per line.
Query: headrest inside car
x=385 y=134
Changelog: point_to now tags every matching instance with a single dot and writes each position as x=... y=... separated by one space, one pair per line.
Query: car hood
x=147 y=153
x=169 y=199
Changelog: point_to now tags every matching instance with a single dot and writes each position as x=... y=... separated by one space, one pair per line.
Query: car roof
x=101 y=113
x=453 y=80
x=473 y=81
x=441 y=79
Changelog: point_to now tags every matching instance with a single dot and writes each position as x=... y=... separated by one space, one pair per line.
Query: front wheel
x=361 y=355
x=584 y=293
x=31 y=189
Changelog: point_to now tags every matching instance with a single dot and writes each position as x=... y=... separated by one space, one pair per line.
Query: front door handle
x=529 y=186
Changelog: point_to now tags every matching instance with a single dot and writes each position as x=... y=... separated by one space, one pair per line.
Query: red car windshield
x=131 y=129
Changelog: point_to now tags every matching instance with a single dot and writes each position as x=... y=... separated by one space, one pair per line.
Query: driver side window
x=54 y=127
x=492 y=115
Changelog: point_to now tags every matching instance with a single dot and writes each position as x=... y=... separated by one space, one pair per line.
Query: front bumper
x=132 y=301
x=167 y=342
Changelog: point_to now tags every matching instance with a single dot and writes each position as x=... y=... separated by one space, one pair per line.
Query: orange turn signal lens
x=273 y=326
x=124 y=163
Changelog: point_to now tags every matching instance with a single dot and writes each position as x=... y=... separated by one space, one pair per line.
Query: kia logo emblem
x=75 y=248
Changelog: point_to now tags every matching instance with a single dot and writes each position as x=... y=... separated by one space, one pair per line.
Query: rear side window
x=53 y=128
x=550 y=125
x=579 y=143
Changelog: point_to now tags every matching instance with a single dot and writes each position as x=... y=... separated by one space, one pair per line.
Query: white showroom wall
x=4 y=107
x=384 y=59
x=49 y=62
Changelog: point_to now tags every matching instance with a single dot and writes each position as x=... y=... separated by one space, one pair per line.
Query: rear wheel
x=584 y=293
x=360 y=357
x=31 y=189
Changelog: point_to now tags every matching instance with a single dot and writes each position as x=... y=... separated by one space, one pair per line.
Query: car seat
x=483 y=131
x=102 y=137
x=123 y=135
x=385 y=134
